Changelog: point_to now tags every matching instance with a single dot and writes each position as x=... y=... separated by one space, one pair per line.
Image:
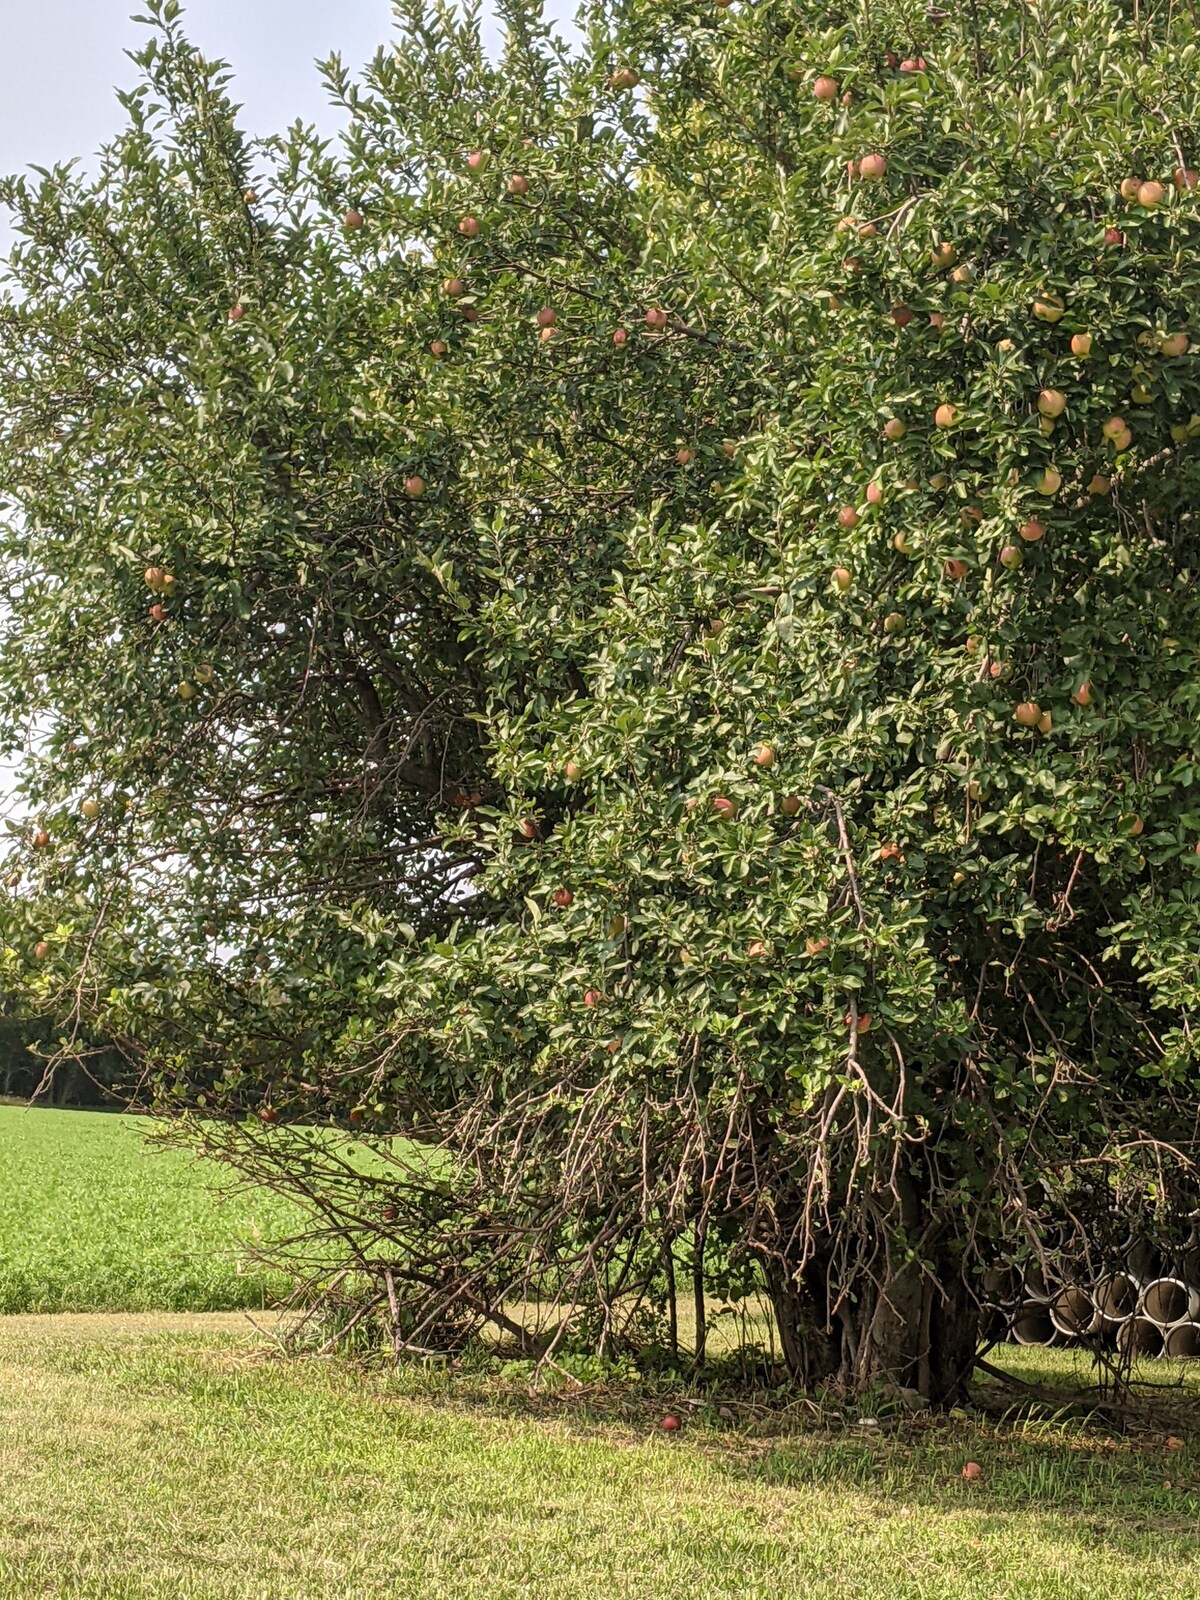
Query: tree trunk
x=914 y=1326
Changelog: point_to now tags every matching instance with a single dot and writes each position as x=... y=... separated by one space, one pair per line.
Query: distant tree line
x=26 y=1046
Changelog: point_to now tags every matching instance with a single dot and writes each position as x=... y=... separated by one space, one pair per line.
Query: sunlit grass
x=151 y=1460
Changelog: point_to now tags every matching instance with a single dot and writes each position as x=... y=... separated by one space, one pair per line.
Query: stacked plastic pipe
x=1149 y=1305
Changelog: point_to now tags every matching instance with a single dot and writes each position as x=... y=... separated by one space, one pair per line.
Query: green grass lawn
x=180 y=1457
x=146 y=1457
x=94 y=1219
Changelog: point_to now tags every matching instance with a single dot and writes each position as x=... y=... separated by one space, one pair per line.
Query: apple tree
x=626 y=637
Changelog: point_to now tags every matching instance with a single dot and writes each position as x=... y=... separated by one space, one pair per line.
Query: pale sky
x=60 y=59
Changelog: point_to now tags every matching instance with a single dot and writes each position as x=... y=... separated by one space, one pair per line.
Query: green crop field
x=92 y=1218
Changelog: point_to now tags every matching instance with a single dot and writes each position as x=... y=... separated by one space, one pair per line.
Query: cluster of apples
x=1150 y=194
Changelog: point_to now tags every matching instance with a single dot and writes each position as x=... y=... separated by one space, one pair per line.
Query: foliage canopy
x=677 y=680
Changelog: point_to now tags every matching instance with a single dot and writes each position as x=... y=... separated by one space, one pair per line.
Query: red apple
x=546 y=317
x=1028 y=713
x=656 y=317
x=815 y=947
x=843 y=578
x=972 y=1471
x=1113 y=236
x=1130 y=187
x=477 y=160
x=236 y=313
x=943 y=254
x=158 y=612
x=825 y=90
x=913 y=64
x=1049 y=307
x=790 y=805
x=592 y=999
x=41 y=840
x=527 y=828
x=945 y=415
x=874 y=493
x=563 y=898
x=41 y=950
x=620 y=337
x=469 y=227
x=573 y=772
x=1081 y=344
x=469 y=313
x=936 y=319
x=1011 y=557
x=454 y=287
x=1031 y=532
x=764 y=757
x=1151 y=194
x=518 y=184
x=756 y=950
x=414 y=487
x=872 y=167
x=894 y=429
x=623 y=78
x=268 y=1114
x=847 y=517
x=352 y=220
x=683 y=456
x=902 y=316
x=438 y=347
x=954 y=569
x=671 y=1423
x=1083 y=695
x=1185 y=178
x=724 y=807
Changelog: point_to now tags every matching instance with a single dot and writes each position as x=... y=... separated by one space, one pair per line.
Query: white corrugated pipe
x=1168 y=1301
x=1031 y=1323
x=1116 y=1298
x=1138 y=1336
x=1183 y=1341
x=1073 y=1312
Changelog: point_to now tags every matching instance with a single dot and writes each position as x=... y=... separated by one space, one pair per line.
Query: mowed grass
x=146 y=1459
x=93 y=1218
